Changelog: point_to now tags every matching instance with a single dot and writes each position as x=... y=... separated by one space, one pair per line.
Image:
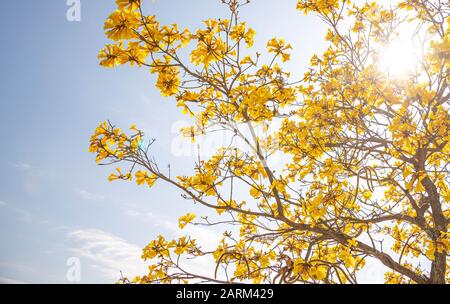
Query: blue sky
x=55 y=203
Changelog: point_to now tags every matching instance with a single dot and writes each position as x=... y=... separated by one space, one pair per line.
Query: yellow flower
x=181 y=246
x=246 y=60
x=128 y=4
x=238 y=31
x=352 y=243
x=279 y=47
x=112 y=55
x=143 y=177
x=168 y=82
x=318 y=272
x=135 y=53
x=249 y=37
x=189 y=132
x=185 y=219
x=113 y=176
x=209 y=49
x=254 y=192
x=367 y=194
x=121 y=25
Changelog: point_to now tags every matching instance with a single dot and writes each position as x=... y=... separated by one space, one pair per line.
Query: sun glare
x=398 y=58
x=402 y=55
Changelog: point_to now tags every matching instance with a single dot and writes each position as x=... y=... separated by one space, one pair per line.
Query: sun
x=398 y=59
x=401 y=56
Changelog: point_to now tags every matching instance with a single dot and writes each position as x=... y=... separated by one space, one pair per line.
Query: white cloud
x=86 y=195
x=132 y=212
x=23 y=166
x=108 y=253
x=3 y=204
x=144 y=215
x=4 y=280
x=206 y=237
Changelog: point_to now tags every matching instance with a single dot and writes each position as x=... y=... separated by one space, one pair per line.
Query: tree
x=365 y=152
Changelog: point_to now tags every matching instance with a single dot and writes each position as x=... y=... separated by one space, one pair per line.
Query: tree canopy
x=364 y=169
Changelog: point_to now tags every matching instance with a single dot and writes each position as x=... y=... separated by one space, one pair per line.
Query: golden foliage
x=367 y=154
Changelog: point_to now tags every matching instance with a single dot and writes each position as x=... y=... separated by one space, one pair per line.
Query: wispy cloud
x=34 y=178
x=23 y=166
x=206 y=237
x=16 y=267
x=22 y=214
x=131 y=212
x=107 y=253
x=4 y=280
x=87 y=195
x=203 y=235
